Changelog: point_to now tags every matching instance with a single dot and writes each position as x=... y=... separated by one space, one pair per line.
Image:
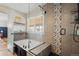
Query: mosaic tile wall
x=56 y=28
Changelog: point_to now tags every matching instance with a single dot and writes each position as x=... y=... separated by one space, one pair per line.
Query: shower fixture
x=42 y=9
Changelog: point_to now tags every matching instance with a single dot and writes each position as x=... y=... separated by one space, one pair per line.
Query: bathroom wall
x=3 y=23
x=60 y=16
x=69 y=46
x=52 y=27
x=48 y=23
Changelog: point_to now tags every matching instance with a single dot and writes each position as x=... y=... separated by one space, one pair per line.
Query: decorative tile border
x=57 y=26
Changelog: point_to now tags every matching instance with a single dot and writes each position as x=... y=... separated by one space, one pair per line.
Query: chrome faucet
x=29 y=43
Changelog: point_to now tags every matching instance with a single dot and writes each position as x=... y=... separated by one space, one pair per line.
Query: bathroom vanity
x=28 y=47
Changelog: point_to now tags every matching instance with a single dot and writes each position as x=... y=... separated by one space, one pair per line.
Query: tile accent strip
x=57 y=26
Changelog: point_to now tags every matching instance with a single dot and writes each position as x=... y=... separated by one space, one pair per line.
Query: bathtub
x=28 y=44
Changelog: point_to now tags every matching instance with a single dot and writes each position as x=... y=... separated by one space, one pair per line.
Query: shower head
x=42 y=8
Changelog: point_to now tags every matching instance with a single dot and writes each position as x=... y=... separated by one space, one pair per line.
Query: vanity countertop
x=24 y=44
x=39 y=49
x=33 y=51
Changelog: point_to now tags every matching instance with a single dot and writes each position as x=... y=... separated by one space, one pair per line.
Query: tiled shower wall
x=53 y=26
x=68 y=45
x=60 y=16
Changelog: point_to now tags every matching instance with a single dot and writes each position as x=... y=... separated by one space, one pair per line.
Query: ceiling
x=23 y=7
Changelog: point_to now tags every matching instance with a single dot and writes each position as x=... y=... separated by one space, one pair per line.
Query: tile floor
x=5 y=52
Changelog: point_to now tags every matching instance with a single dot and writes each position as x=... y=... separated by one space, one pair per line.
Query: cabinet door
x=22 y=52
x=16 y=50
x=19 y=51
